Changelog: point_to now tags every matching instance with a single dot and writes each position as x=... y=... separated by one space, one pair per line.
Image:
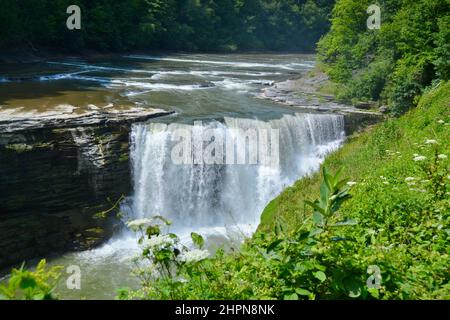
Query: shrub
x=31 y=285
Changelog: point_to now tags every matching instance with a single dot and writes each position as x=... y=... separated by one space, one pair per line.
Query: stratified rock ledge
x=58 y=171
x=58 y=119
x=303 y=94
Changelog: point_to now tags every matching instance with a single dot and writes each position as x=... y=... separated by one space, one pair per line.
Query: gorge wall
x=55 y=179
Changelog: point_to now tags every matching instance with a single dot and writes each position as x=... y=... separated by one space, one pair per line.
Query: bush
x=369 y=83
x=31 y=285
x=442 y=51
x=393 y=64
x=404 y=88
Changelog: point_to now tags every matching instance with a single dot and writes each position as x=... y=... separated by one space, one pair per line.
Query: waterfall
x=224 y=196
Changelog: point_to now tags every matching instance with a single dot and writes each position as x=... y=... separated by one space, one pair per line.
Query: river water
x=222 y=202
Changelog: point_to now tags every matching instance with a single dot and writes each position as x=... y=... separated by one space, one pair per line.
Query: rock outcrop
x=57 y=173
x=303 y=94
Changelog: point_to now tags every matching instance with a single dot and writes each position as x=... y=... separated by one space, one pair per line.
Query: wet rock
x=303 y=94
x=364 y=105
x=56 y=176
x=384 y=109
x=17 y=122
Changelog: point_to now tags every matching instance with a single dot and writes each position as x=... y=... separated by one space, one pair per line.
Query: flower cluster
x=193 y=256
x=420 y=158
x=157 y=242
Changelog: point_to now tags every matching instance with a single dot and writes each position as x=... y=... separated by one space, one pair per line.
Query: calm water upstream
x=223 y=203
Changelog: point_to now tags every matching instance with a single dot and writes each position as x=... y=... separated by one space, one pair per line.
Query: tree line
x=392 y=65
x=191 y=25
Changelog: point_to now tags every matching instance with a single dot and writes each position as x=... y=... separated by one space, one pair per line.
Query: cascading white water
x=217 y=198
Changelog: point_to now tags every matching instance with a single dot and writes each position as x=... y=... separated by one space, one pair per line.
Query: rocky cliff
x=56 y=175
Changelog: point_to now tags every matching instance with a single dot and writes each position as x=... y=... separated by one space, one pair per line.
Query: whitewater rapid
x=224 y=197
x=222 y=202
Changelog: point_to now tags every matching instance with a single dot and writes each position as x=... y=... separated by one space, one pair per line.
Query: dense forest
x=393 y=64
x=207 y=25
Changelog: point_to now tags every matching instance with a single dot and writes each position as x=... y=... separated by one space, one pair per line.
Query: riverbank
x=362 y=160
x=314 y=91
x=400 y=203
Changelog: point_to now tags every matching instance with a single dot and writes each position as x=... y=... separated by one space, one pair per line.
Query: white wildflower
x=351 y=183
x=135 y=225
x=441 y=121
x=431 y=141
x=408 y=179
x=181 y=280
x=420 y=158
x=158 y=242
x=194 y=256
x=442 y=156
x=415 y=155
x=419 y=190
x=385 y=182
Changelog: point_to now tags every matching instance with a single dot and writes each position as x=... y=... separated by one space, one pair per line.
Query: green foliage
x=368 y=84
x=401 y=202
x=214 y=25
x=442 y=51
x=165 y=265
x=393 y=64
x=31 y=285
x=333 y=192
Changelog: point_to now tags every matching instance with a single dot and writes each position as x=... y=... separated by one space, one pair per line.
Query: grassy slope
x=403 y=222
x=367 y=156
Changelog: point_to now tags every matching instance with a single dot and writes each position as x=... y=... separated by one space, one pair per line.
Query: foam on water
x=155 y=86
x=215 y=62
x=223 y=203
x=91 y=67
x=199 y=196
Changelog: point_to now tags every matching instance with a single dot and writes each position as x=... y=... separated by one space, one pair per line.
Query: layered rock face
x=54 y=182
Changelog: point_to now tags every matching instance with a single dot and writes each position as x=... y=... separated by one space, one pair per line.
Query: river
x=222 y=202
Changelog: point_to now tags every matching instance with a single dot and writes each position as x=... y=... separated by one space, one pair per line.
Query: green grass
x=367 y=156
x=401 y=204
